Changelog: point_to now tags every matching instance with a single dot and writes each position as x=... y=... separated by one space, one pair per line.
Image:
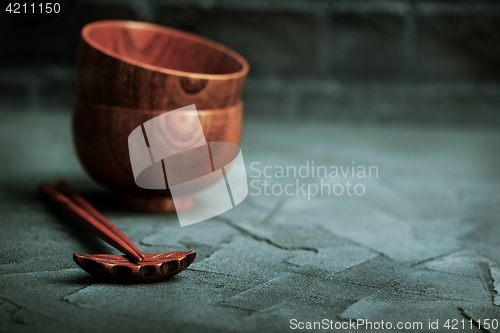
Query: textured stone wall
x=424 y=61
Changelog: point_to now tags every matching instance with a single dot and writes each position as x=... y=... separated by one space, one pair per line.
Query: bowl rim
x=160 y=28
x=78 y=102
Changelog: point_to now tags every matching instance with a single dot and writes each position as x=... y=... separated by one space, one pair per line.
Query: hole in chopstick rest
x=147 y=270
x=121 y=270
x=190 y=258
x=92 y=265
x=169 y=267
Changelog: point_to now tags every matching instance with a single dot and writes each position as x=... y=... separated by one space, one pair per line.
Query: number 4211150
x=455 y=324
x=27 y=8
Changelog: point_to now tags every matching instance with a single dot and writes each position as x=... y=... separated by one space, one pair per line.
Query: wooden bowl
x=100 y=134
x=146 y=66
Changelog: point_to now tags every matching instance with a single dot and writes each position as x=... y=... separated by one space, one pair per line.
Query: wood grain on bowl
x=147 y=66
x=100 y=134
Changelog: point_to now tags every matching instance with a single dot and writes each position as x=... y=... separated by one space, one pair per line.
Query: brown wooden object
x=135 y=266
x=100 y=134
x=80 y=215
x=146 y=66
x=66 y=189
x=154 y=266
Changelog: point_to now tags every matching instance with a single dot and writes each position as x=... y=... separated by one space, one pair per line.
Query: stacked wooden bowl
x=130 y=72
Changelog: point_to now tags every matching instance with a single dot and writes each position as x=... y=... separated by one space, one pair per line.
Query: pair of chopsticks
x=72 y=203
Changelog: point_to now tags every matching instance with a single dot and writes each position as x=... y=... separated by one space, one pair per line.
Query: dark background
x=410 y=87
x=431 y=62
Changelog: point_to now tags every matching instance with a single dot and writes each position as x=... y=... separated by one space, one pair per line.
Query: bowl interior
x=162 y=47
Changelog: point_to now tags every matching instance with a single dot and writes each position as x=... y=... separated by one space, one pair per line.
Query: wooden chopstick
x=87 y=220
x=66 y=189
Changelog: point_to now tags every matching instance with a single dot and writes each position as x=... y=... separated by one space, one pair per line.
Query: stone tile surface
x=421 y=243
